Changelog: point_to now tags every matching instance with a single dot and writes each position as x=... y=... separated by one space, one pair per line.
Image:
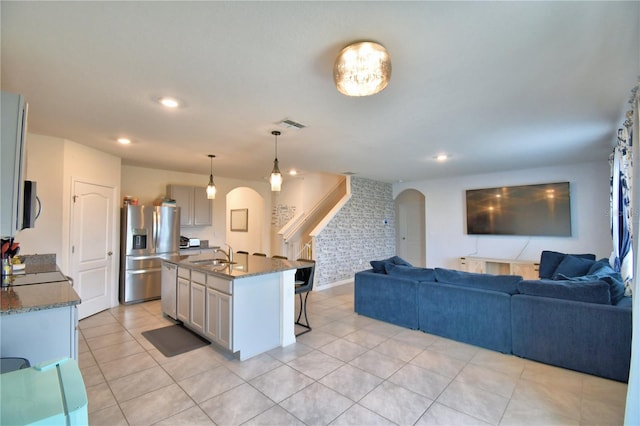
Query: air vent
x=349 y=173
x=290 y=124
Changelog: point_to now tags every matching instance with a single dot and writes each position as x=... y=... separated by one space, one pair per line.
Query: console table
x=528 y=269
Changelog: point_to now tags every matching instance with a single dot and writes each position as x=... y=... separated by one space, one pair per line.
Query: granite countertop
x=244 y=265
x=16 y=298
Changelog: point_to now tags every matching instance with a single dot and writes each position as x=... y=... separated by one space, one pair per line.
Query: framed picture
x=239 y=220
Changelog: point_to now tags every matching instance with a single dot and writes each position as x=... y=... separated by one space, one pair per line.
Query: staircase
x=296 y=237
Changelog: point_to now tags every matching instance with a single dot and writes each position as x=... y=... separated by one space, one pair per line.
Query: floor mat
x=174 y=340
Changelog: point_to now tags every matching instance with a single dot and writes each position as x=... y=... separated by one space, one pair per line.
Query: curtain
x=632 y=411
x=621 y=209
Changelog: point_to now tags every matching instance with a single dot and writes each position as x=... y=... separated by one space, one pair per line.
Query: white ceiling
x=496 y=85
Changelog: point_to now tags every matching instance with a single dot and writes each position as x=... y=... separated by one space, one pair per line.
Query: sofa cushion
x=501 y=283
x=601 y=270
x=410 y=272
x=379 y=265
x=572 y=266
x=549 y=261
x=580 y=291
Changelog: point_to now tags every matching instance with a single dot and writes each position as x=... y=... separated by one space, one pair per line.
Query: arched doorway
x=410 y=222
x=246 y=205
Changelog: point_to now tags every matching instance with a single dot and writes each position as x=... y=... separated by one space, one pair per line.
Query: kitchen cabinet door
x=197 y=307
x=184 y=199
x=195 y=207
x=218 y=325
x=202 y=211
x=183 y=299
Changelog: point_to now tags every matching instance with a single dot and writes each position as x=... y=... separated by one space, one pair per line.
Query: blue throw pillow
x=501 y=283
x=572 y=266
x=410 y=272
x=549 y=261
x=379 y=265
x=601 y=270
x=580 y=291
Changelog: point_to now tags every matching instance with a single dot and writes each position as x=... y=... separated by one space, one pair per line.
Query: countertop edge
x=40 y=308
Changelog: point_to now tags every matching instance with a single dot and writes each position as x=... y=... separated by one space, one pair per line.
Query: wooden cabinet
x=184 y=287
x=195 y=207
x=219 y=309
x=529 y=270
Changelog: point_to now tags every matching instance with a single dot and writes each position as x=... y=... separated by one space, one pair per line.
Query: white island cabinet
x=38 y=316
x=246 y=308
x=219 y=321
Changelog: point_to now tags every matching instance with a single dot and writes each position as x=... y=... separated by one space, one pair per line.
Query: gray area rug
x=174 y=340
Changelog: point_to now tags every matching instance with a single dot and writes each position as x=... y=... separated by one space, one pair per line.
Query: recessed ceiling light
x=124 y=141
x=441 y=157
x=169 y=102
x=293 y=172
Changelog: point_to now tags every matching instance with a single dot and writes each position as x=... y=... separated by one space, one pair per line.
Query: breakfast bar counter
x=245 y=306
x=38 y=315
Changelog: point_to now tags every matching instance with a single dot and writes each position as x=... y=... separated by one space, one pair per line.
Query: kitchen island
x=246 y=306
x=38 y=315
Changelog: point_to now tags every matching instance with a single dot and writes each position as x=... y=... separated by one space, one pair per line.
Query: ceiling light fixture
x=362 y=69
x=124 y=141
x=169 y=102
x=211 y=188
x=276 y=176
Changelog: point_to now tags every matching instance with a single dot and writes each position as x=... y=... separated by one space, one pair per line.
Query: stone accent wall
x=363 y=230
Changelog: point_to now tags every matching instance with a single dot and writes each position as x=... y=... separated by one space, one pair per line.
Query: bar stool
x=242 y=252
x=260 y=254
x=304 y=284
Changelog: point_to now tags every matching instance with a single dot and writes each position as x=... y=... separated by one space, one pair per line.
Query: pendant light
x=276 y=176
x=211 y=188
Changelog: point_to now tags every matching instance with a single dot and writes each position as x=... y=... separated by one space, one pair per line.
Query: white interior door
x=411 y=233
x=92 y=246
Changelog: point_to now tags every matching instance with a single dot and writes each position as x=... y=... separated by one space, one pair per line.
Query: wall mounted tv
x=534 y=210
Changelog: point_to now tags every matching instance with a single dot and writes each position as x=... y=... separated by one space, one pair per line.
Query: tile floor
x=350 y=370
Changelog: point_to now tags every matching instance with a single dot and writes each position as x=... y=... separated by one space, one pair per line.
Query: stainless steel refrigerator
x=148 y=234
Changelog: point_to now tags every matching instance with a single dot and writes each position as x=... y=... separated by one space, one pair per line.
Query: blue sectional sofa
x=575 y=316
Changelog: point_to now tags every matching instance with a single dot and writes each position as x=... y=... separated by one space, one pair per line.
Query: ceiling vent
x=290 y=124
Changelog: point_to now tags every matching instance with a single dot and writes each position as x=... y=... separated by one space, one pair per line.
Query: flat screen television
x=533 y=210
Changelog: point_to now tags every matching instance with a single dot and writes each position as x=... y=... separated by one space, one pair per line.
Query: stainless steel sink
x=213 y=262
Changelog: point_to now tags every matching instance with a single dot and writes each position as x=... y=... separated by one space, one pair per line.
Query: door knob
x=109 y=253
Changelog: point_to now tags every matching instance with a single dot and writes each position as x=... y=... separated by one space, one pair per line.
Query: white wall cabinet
x=195 y=207
x=529 y=270
x=13 y=126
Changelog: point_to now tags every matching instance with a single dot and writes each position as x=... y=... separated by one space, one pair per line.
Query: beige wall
x=54 y=164
x=45 y=164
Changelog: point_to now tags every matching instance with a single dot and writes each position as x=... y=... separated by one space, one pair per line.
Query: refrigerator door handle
x=155 y=229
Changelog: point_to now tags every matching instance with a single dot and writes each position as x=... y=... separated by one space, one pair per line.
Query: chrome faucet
x=228 y=254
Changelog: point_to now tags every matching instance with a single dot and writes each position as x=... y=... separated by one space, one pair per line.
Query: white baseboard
x=333 y=284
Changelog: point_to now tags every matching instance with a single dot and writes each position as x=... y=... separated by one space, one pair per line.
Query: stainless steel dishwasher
x=169 y=283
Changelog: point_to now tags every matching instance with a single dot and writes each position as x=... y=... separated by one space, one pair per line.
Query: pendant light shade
x=276 y=176
x=362 y=69
x=211 y=187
